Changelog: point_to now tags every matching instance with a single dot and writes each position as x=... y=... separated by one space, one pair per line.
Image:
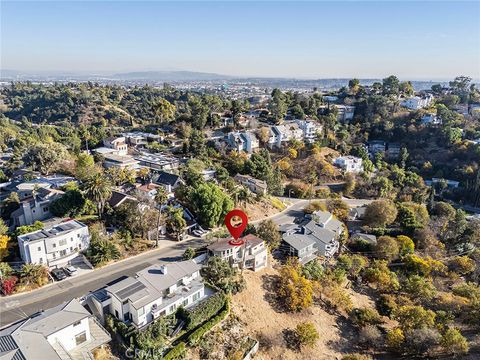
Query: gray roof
x=150 y=283
x=53 y=231
x=322 y=234
x=27 y=339
x=321 y=216
x=298 y=241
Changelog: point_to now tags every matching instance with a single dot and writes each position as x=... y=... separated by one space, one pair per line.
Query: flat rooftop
x=58 y=229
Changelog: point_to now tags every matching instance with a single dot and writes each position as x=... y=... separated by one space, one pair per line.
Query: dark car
x=58 y=274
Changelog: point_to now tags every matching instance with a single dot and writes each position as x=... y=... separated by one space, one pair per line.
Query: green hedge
x=203 y=311
x=177 y=352
x=198 y=334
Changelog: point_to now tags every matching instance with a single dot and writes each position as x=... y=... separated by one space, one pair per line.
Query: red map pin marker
x=236 y=230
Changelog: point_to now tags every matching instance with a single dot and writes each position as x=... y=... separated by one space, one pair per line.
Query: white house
x=345 y=112
x=120 y=161
x=158 y=290
x=253 y=252
x=67 y=331
x=430 y=119
x=36 y=208
x=310 y=130
x=243 y=141
x=349 y=163
x=119 y=144
x=281 y=134
x=418 y=102
x=54 y=246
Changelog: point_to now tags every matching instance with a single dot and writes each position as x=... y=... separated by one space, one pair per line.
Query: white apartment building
x=349 y=163
x=67 y=331
x=54 y=246
x=158 y=290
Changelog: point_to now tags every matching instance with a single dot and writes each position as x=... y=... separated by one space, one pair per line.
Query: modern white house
x=281 y=134
x=54 y=246
x=253 y=252
x=119 y=144
x=430 y=119
x=36 y=208
x=65 y=332
x=418 y=102
x=310 y=130
x=159 y=161
x=345 y=112
x=138 y=138
x=349 y=163
x=156 y=291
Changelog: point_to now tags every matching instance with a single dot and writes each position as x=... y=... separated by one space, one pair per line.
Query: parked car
x=70 y=270
x=58 y=274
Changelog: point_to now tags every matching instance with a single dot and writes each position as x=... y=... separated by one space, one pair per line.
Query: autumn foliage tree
x=295 y=290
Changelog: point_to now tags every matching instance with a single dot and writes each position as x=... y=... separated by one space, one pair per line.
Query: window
x=63 y=242
x=196 y=296
x=39 y=248
x=141 y=311
x=63 y=252
x=40 y=260
x=125 y=302
x=45 y=209
x=185 y=302
x=76 y=323
x=80 y=338
x=54 y=245
x=54 y=255
x=78 y=235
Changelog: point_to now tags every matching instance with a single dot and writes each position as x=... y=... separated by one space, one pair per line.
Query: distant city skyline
x=307 y=40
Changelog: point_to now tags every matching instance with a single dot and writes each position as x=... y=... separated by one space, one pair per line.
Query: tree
x=338 y=208
x=313 y=270
x=365 y=316
x=453 y=342
x=277 y=105
x=25 y=229
x=45 y=157
x=161 y=198
x=391 y=85
x=188 y=254
x=307 y=334
x=101 y=249
x=84 y=166
x=403 y=157
x=219 y=273
x=387 y=248
x=414 y=317
x=4 y=239
x=419 y=287
x=295 y=290
x=210 y=204
x=176 y=223
x=395 y=339
x=98 y=189
x=380 y=213
x=267 y=230
x=379 y=273
x=164 y=110
x=33 y=274
x=71 y=204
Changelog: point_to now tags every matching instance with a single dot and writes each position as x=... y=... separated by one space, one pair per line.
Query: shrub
x=395 y=339
x=387 y=248
x=406 y=245
x=8 y=285
x=195 y=336
x=370 y=336
x=307 y=334
x=380 y=274
x=176 y=352
x=188 y=254
x=453 y=342
x=462 y=265
x=356 y=356
x=365 y=316
x=420 y=287
x=421 y=341
x=204 y=310
x=386 y=304
x=313 y=270
x=295 y=290
x=414 y=317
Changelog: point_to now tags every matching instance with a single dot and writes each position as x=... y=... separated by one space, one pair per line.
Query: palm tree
x=99 y=189
x=33 y=274
x=161 y=198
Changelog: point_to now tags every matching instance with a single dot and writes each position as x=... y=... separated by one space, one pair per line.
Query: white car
x=70 y=270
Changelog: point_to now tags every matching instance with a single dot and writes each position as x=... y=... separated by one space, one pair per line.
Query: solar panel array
x=130 y=290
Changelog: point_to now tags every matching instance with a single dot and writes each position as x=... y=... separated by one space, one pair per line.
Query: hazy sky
x=415 y=40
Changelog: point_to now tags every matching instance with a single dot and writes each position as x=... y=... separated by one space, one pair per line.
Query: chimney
x=163 y=269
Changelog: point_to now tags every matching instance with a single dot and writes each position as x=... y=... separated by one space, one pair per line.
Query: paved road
x=16 y=307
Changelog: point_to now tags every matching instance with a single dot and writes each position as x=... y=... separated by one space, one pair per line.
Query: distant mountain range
x=180 y=76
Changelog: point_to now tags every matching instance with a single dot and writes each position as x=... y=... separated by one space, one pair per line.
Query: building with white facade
x=349 y=163
x=245 y=141
x=253 y=252
x=65 y=332
x=418 y=102
x=158 y=161
x=281 y=134
x=36 y=208
x=310 y=130
x=345 y=112
x=119 y=144
x=120 y=161
x=54 y=246
x=138 y=138
x=430 y=119
x=156 y=291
